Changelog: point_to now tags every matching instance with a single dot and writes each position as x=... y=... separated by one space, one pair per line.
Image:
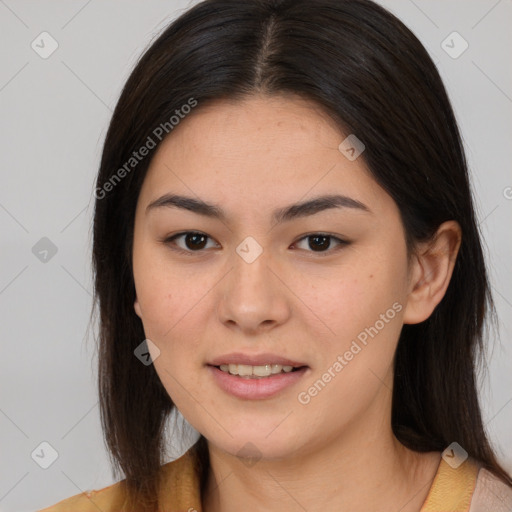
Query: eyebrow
x=285 y=214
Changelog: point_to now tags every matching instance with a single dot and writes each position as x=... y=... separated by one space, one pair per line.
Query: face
x=323 y=288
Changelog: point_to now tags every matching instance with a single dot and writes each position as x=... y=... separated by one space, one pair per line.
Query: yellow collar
x=451 y=490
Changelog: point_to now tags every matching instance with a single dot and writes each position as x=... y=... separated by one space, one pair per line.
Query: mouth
x=246 y=371
x=258 y=382
x=256 y=376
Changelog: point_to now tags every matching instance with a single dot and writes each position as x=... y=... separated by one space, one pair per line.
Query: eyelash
x=169 y=242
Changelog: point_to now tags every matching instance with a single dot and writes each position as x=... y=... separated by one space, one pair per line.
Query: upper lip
x=254 y=360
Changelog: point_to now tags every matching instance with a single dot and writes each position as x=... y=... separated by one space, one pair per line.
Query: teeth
x=243 y=370
x=248 y=371
x=276 y=368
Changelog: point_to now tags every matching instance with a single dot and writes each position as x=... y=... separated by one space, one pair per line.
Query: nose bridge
x=251 y=272
x=251 y=294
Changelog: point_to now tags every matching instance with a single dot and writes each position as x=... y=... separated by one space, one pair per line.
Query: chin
x=256 y=445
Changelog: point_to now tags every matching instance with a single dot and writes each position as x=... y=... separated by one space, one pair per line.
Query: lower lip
x=254 y=389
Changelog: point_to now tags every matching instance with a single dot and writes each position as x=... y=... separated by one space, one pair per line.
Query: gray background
x=54 y=113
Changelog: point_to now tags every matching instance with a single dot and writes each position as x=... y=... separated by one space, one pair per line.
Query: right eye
x=194 y=241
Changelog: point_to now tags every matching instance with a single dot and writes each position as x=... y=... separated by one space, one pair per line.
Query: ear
x=136 y=307
x=432 y=268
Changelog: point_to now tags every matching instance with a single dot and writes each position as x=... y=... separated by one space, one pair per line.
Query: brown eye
x=321 y=243
x=193 y=241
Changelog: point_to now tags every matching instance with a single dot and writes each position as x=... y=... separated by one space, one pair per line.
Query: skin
x=336 y=452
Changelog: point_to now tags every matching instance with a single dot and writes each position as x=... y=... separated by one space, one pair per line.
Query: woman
x=285 y=250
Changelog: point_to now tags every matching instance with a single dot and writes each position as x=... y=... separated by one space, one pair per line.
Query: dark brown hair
x=366 y=70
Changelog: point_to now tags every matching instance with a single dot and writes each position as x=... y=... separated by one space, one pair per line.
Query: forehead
x=257 y=152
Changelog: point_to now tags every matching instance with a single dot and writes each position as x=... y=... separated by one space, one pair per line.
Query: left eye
x=320 y=242
x=196 y=242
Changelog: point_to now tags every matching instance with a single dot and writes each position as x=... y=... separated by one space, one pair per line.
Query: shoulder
x=107 y=499
x=491 y=494
x=181 y=484
x=467 y=487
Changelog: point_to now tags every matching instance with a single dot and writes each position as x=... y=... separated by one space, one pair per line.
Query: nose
x=253 y=297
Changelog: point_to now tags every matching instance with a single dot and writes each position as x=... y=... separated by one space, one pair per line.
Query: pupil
x=195 y=237
x=323 y=245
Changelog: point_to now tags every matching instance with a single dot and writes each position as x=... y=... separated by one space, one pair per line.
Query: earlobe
x=431 y=271
x=136 y=307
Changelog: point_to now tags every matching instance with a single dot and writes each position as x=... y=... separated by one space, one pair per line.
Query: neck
x=358 y=471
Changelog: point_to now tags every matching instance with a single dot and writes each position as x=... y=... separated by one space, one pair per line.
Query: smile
x=248 y=385
x=255 y=372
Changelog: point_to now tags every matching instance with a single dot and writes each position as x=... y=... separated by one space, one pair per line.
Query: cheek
x=364 y=316
x=165 y=295
x=168 y=305
x=352 y=303
x=365 y=313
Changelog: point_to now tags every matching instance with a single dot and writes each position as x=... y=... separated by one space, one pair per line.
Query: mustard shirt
x=468 y=488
